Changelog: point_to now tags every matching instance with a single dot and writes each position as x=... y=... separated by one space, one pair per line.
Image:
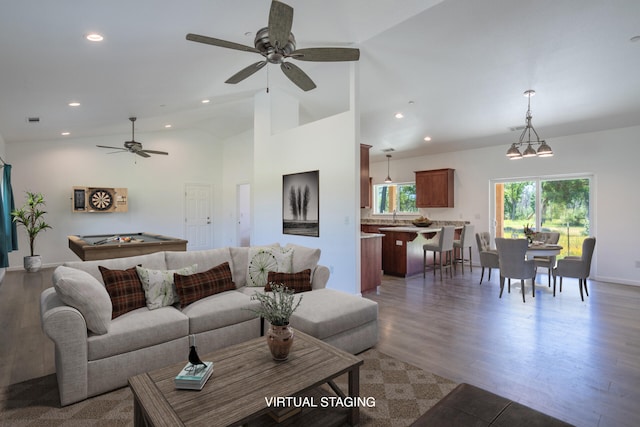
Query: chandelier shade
x=544 y=150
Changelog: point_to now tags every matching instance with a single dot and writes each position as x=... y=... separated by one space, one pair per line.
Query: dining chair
x=548 y=262
x=488 y=256
x=513 y=263
x=576 y=267
x=442 y=243
x=464 y=242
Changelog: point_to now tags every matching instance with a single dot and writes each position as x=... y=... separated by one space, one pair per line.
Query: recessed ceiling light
x=94 y=37
x=205 y=101
x=427 y=138
x=167 y=126
x=74 y=104
x=399 y=115
x=65 y=133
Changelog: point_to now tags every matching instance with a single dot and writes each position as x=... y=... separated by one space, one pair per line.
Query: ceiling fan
x=134 y=146
x=277 y=43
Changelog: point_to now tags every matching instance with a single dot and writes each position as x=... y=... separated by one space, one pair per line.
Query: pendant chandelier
x=544 y=150
x=388 y=178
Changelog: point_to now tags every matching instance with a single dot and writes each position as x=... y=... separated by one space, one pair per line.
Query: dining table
x=543 y=249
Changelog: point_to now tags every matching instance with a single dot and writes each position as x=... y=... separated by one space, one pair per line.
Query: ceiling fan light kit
x=276 y=43
x=544 y=150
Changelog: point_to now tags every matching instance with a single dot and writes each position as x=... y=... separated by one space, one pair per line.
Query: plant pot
x=279 y=340
x=32 y=263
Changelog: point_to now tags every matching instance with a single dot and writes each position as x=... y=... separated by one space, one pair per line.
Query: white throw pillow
x=85 y=293
x=158 y=285
x=263 y=259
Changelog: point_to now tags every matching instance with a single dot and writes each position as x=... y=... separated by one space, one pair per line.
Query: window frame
x=376 y=198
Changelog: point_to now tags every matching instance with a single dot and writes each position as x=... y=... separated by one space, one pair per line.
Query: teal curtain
x=8 y=231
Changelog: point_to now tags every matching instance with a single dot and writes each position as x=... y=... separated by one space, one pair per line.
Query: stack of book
x=193 y=377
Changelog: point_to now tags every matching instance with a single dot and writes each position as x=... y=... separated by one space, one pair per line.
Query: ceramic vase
x=32 y=263
x=279 y=340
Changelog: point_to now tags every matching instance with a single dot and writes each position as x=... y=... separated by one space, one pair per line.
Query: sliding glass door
x=544 y=204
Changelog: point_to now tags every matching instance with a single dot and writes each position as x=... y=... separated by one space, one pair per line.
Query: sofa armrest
x=320 y=277
x=66 y=327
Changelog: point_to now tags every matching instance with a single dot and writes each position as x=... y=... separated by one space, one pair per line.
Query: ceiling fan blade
x=220 y=43
x=154 y=152
x=280 y=21
x=245 y=72
x=141 y=153
x=296 y=75
x=113 y=148
x=326 y=54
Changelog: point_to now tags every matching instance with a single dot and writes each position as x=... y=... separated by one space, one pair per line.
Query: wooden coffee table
x=244 y=377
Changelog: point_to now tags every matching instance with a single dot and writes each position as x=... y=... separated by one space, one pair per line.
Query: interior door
x=197 y=222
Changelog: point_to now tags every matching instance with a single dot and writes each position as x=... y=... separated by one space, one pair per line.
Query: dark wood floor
x=578 y=361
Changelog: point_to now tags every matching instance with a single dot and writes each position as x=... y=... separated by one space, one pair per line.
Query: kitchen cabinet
x=365 y=186
x=370 y=261
x=434 y=188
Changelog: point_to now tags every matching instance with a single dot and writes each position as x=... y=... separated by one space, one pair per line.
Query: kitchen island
x=402 y=249
x=370 y=261
x=402 y=253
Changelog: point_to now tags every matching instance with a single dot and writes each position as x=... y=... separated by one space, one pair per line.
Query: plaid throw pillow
x=193 y=287
x=298 y=282
x=124 y=289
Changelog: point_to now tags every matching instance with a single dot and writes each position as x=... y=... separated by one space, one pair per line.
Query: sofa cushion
x=158 y=285
x=83 y=292
x=327 y=312
x=304 y=257
x=239 y=261
x=138 y=329
x=124 y=288
x=263 y=259
x=206 y=259
x=154 y=260
x=219 y=310
x=298 y=282
x=197 y=286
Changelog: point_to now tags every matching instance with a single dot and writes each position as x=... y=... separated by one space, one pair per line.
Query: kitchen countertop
x=411 y=229
x=370 y=235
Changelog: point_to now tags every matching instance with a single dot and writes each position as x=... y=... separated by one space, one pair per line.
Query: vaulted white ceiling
x=456 y=69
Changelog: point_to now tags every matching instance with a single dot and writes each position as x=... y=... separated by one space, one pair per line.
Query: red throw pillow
x=124 y=289
x=193 y=287
x=298 y=282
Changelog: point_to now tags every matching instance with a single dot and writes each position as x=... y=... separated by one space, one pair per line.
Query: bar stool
x=466 y=241
x=443 y=244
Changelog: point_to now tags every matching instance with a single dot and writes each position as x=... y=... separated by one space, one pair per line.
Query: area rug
x=399 y=394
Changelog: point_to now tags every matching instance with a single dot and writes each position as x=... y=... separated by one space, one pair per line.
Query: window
x=397 y=197
x=545 y=204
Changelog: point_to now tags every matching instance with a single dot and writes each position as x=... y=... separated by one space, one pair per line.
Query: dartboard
x=100 y=199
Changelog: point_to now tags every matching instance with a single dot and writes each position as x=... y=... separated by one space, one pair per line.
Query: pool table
x=107 y=246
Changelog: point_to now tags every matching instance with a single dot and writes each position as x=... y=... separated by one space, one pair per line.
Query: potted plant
x=276 y=307
x=30 y=216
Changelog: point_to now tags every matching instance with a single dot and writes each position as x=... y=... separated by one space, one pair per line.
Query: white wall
x=237 y=169
x=155 y=185
x=611 y=156
x=330 y=146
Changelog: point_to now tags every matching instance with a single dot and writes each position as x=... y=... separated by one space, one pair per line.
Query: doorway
x=197 y=218
x=243 y=213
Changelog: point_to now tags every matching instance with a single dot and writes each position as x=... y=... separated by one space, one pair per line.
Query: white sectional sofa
x=95 y=354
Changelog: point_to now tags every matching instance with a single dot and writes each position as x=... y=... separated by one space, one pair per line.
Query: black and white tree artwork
x=300 y=204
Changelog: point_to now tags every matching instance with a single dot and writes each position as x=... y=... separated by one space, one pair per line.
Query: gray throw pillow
x=85 y=293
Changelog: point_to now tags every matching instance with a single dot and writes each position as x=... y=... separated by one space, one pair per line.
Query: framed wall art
x=301 y=204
